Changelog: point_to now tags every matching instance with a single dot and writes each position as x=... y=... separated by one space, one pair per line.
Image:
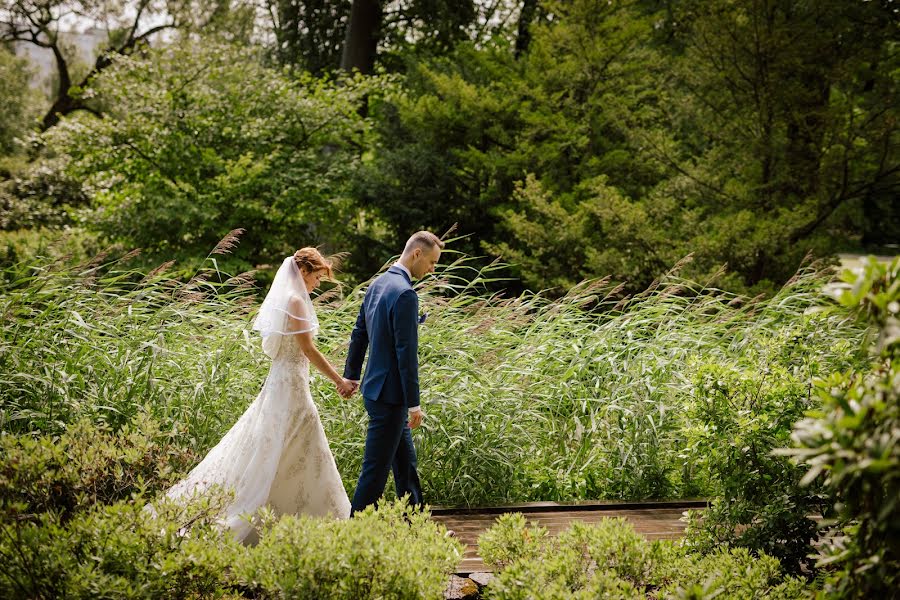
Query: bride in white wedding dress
x=277 y=455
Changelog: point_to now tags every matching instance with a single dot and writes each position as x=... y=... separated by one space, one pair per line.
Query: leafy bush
x=741 y=416
x=509 y=539
x=40 y=195
x=611 y=560
x=123 y=550
x=391 y=552
x=20 y=249
x=854 y=441
x=118 y=551
x=18 y=102
x=729 y=574
x=86 y=466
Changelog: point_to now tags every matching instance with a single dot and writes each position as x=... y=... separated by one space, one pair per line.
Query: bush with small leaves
x=86 y=466
x=728 y=573
x=119 y=551
x=510 y=539
x=393 y=551
x=611 y=560
x=741 y=416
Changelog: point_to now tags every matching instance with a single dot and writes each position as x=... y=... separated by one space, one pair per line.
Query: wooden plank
x=575 y=506
x=653 y=520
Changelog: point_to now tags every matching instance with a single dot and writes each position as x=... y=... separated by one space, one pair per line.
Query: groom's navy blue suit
x=388 y=327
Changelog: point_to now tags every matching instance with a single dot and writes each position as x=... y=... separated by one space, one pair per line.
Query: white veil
x=286 y=298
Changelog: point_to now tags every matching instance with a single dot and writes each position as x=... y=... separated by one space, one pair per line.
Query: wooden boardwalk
x=655 y=520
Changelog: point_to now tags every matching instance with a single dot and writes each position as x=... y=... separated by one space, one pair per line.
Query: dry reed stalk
x=159 y=270
x=229 y=242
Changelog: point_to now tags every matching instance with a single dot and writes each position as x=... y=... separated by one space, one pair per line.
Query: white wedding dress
x=276 y=455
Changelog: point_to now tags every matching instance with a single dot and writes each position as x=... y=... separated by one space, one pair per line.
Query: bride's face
x=312 y=279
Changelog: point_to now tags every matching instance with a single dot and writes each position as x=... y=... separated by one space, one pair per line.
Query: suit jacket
x=387 y=326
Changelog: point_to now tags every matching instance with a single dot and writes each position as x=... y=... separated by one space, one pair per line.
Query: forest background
x=573 y=139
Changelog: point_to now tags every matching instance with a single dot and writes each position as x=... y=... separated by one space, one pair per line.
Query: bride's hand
x=346 y=388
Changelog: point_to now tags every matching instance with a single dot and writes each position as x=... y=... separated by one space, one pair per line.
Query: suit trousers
x=389 y=447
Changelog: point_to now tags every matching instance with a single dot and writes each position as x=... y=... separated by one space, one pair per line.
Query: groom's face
x=425 y=262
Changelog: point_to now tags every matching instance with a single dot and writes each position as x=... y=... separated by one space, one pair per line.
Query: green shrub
x=610 y=560
x=509 y=539
x=391 y=552
x=741 y=416
x=729 y=573
x=559 y=575
x=853 y=440
x=40 y=195
x=118 y=551
x=22 y=249
x=124 y=550
x=199 y=137
x=86 y=466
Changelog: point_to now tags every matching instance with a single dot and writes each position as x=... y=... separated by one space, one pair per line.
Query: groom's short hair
x=423 y=239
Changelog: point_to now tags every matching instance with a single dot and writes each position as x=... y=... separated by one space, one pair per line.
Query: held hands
x=346 y=388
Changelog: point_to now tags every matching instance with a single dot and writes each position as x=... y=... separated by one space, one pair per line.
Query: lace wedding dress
x=276 y=455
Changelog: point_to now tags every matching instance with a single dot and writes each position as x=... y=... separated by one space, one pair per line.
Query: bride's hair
x=310 y=260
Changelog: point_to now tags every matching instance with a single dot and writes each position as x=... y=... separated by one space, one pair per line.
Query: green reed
x=586 y=396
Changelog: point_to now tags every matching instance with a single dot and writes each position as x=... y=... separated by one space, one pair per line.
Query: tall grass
x=587 y=396
x=102 y=341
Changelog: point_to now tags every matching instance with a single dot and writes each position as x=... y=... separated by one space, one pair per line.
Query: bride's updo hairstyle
x=310 y=260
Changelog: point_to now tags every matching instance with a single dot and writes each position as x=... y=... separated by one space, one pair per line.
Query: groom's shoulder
x=391 y=285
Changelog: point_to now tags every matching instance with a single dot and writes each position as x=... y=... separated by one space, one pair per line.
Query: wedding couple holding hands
x=276 y=454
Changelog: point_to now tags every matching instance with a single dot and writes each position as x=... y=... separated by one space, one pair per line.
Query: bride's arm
x=317 y=358
x=308 y=345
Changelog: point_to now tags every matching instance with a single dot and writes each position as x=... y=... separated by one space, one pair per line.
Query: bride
x=276 y=455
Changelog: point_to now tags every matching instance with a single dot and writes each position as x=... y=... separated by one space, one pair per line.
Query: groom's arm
x=359 y=343
x=406 y=343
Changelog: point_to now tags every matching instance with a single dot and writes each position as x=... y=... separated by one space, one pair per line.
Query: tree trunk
x=63 y=103
x=361 y=41
x=526 y=18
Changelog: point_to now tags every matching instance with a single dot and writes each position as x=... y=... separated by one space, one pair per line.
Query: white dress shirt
x=405 y=270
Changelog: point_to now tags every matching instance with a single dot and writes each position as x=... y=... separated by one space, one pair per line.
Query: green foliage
x=391 y=552
x=611 y=560
x=605 y=233
x=40 y=195
x=527 y=399
x=509 y=539
x=768 y=122
x=86 y=466
x=632 y=134
x=97 y=340
x=200 y=139
x=169 y=550
x=17 y=101
x=121 y=550
x=854 y=441
x=437 y=158
x=20 y=247
x=740 y=417
x=309 y=34
x=729 y=573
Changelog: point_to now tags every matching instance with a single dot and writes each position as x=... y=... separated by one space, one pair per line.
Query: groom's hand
x=346 y=388
x=415 y=418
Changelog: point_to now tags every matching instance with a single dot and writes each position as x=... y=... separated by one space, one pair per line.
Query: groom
x=388 y=327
